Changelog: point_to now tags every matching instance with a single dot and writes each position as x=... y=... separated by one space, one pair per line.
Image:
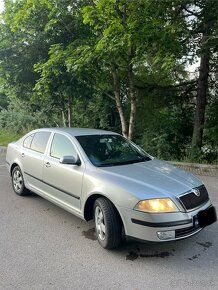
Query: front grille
x=191 y=200
x=186 y=231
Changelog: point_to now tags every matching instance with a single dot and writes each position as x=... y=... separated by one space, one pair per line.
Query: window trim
x=33 y=134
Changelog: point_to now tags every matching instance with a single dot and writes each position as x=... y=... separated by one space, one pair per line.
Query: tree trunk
x=63 y=118
x=132 y=117
x=132 y=94
x=202 y=87
x=69 y=111
x=116 y=84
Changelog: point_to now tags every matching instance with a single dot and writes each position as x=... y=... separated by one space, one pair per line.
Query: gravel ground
x=199 y=169
x=2 y=155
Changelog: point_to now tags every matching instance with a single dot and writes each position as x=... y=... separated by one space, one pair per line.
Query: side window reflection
x=62 y=146
x=40 y=141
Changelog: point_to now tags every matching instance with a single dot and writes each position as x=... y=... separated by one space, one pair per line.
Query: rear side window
x=28 y=141
x=40 y=141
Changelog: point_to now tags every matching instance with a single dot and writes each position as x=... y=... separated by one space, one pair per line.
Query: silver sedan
x=100 y=175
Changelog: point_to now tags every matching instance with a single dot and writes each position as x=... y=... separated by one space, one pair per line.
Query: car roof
x=78 y=131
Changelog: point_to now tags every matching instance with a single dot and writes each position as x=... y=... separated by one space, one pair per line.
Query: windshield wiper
x=124 y=162
x=107 y=164
x=133 y=161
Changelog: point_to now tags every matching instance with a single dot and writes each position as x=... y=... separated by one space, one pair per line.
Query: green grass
x=7 y=137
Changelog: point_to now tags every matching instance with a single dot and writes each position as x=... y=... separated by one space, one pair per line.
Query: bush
x=7 y=137
x=169 y=134
x=20 y=118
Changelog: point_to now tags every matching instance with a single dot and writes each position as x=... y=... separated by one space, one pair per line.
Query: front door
x=63 y=182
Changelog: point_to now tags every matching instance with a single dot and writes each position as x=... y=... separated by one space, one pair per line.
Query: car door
x=63 y=182
x=32 y=159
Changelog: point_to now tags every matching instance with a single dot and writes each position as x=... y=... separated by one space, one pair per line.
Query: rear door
x=32 y=156
x=63 y=182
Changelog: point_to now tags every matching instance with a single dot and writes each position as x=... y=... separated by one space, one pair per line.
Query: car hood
x=152 y=178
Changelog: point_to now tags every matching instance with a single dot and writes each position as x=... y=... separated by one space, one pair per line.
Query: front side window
x=40 y=141
x=62 y=146
x=111 y=150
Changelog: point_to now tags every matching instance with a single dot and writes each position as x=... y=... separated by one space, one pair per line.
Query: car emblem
x=196 y=192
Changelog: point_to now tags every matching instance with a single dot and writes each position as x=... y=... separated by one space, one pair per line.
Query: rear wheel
x=18 y=182
x=108 y=224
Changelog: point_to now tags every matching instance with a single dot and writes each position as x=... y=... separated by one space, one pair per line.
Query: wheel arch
x=89 y=204
x=13 y=166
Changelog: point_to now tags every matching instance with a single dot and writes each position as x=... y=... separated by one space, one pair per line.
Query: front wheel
x=108 y=224
x=18 y=182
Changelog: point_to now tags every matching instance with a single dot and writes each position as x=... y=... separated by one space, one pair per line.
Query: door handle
x=47 y=164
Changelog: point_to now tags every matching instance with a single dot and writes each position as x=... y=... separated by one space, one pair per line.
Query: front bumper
x=166 y=226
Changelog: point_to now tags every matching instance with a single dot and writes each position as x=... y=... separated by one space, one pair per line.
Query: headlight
x=156 y=205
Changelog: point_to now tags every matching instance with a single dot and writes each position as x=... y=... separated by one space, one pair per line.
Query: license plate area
x=205 y=217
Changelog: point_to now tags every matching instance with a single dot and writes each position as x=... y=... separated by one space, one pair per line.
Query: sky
x=1 y=5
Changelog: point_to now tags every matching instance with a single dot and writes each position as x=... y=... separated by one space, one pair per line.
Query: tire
x=18 y=182
x=108 y=225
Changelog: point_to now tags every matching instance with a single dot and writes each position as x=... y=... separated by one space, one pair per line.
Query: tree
x=56 y=82
x=207 y=27
x=126 y=36
x=113 y=64
x=22 y=45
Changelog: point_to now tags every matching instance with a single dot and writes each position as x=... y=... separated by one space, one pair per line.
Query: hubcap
x=99 y=223
x=17 y=181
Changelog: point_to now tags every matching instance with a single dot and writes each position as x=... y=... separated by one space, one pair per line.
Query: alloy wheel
x=99 y=223
x=17 y=181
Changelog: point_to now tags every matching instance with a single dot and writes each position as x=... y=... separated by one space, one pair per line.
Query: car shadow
x=193 y=250
x=31 y=194
x=187 y=252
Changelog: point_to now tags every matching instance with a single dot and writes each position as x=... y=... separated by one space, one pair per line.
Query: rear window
x=40 y=141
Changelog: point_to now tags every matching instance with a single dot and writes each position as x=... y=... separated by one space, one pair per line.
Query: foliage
x=111 y=64
x=7 y=137
x=168 y=132
x=20 y=118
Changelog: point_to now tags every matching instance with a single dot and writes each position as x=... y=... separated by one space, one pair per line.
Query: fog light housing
x=166 y=235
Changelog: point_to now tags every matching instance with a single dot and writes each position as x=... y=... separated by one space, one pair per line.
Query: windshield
x=111 y=150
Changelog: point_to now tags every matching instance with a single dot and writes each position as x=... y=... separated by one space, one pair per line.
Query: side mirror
x=71 y=160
